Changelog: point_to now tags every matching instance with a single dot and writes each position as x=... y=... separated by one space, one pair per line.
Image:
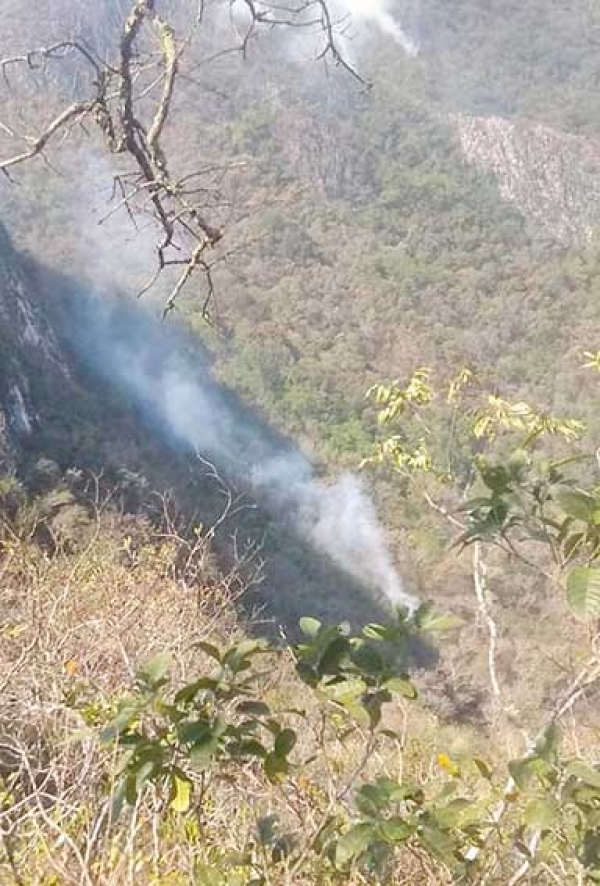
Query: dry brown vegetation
x=77 y=622
x=84 y=604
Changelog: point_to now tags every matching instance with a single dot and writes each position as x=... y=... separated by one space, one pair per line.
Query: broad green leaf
x=431 y=622
x=204 y=748
x=155 y=669
x=371 y=798
x=308 y=673
x=577 y=504
x=266 y=829
x=342 y=689
x=349 y=694
x=210 y=649
x=458 y=813
x=310 y=627
x=541 y=813
x=548 y=742
x=181 y=792
x=401 y=686
x=276 y=767
x=236 y=658
x=483 y=768
x=118 y=800
x=373 y=703
x=583 y=593
x=496 y=478
x=584 y=772
x=395 y=830
x=189 y=692
x=521 y=772
x=438 y=842
x=284 y=742
x=254 y=708
x=354 y=843
x=367 y=659
x=131 y=791
x=334 y=655
x=194 y=731
x=124 y=719
x=375 y=632
x=143 y=773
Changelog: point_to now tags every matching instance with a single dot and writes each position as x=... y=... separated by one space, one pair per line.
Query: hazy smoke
x=352 y=18
x=339 y=520
x=149 y=362
x=379 y=13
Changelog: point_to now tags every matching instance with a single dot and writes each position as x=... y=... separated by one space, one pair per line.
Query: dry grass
x=75 y=626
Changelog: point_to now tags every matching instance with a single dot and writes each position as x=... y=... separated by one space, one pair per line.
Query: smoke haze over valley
x=245 y=248
x=160 y=374
x=314 y=320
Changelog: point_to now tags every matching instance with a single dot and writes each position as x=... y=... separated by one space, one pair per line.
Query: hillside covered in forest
x=298 y=327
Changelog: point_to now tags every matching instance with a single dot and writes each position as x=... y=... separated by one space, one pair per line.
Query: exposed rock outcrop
x=552 y=177
x=28 y=351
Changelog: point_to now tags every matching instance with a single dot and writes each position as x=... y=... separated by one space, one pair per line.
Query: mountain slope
x=31 y=360
x=360 y=244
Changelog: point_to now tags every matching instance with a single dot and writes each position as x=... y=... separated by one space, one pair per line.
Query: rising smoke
x=352 y=21
x=155 y=367
x=380 y=13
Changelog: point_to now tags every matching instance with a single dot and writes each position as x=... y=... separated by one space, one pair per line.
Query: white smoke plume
x=380 y=14
x=175 y=390
x=352 y=18
x=338 y=519
x=154 y=366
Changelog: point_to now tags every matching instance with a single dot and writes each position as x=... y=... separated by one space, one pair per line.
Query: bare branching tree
x=130 y=99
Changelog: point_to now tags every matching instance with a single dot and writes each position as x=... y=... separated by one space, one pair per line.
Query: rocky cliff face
x=29 y=351
x=552 y=177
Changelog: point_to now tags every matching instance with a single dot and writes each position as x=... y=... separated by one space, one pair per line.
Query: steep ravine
x=62 y=402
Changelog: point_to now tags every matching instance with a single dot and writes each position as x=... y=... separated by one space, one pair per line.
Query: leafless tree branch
x=187 y=210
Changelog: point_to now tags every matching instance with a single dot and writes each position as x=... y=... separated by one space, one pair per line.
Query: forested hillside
x=419 y=220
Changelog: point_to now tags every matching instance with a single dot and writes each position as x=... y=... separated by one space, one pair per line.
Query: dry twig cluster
x=130 y=99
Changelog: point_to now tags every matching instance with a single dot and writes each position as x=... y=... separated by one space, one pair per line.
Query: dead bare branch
x=131 y=101
x=71 y=114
